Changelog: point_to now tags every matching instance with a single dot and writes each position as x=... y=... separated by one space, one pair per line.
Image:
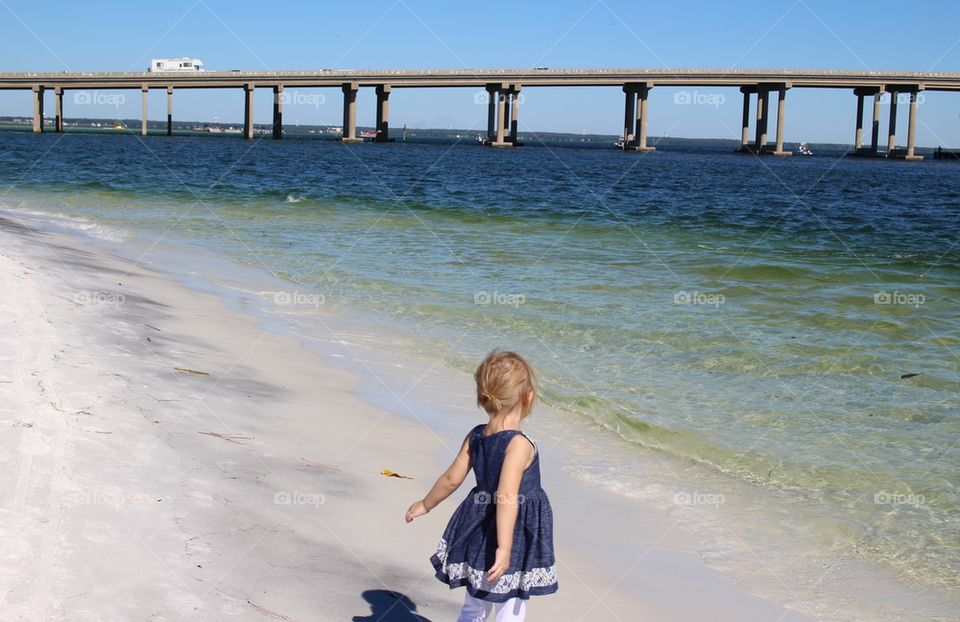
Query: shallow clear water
x=752 y=317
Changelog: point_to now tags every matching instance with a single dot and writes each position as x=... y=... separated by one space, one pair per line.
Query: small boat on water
x=367 y=134
x=804 y=149
x=118 y=125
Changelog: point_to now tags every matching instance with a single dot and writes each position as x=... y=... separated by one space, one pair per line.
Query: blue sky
x=919 y=36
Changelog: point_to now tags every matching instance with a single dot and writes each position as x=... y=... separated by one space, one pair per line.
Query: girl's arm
x=516 y=459
x=446 y=484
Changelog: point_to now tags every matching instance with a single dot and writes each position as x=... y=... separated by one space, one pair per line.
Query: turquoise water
x=751 y=317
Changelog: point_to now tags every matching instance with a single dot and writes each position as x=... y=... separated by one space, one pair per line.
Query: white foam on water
x=43 y=219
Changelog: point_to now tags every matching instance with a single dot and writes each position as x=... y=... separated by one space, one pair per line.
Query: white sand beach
x=169 y=458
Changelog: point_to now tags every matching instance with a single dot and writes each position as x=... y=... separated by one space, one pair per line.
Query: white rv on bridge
x=175 y=64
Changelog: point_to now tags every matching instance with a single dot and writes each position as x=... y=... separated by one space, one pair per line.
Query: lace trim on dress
x=522 y=580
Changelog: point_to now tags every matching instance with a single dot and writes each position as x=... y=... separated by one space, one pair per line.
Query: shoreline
x=195 y=492
x=678 y=145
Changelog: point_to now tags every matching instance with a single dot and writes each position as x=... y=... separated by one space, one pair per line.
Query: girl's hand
x=500 y=564
x=416 y=510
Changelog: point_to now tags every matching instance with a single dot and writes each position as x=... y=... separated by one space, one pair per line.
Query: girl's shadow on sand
x=387 y=606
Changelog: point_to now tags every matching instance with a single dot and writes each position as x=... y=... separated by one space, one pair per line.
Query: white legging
x=476 y=610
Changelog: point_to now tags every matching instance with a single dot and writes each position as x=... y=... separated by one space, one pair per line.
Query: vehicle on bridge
x=175 y=64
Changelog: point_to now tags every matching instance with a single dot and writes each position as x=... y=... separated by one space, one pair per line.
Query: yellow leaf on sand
x=390 y=473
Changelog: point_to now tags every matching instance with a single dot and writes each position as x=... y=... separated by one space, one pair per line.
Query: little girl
x=504 y=528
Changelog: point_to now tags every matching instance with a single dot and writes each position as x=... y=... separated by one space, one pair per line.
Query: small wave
x=63 y=221
x=292 y=198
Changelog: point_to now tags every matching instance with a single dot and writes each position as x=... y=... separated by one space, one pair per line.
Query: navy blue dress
x=469 y=544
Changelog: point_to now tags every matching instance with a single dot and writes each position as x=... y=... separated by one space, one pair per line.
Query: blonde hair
x=505 y=379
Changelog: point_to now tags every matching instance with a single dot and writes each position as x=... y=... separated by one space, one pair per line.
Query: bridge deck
x=808 y=78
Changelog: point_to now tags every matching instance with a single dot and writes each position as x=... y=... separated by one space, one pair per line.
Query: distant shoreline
x=414 y=135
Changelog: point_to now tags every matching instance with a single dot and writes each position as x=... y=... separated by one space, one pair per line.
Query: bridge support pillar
x=892 y=151
x=892 y=129
x=745 y=121
x=629 y=114
x=514 y=113
x=349 y=134
x=759 y=146
x=278 y=112
x=505 y=125
x=875 y=125
x=635 y=117
x=493 y=96
x=781 y=119
x=640 y=129
x=58 y=104
x=383 y=114
x=503 y=114
x=248 y=111
x=912 y=129
x=858 y=133
x=501 y=111
x=763 y=101
x=169 y=111
x=144 y=92
x=858 y=148
x=505 y=117
x=38 y=109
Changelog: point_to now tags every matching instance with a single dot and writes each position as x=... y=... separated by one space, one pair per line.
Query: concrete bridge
x=504 y=86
